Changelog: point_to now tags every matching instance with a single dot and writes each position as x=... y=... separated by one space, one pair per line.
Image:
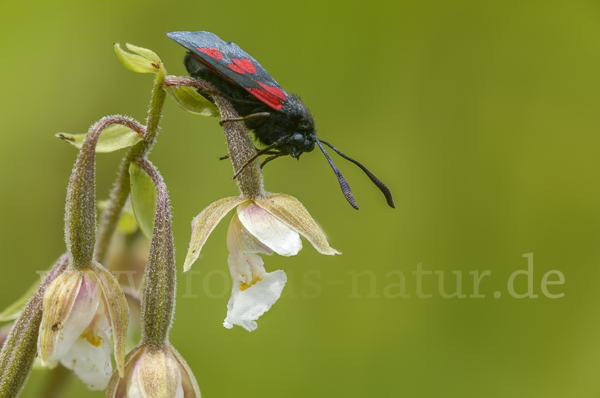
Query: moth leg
x=267 y=160
x=239 y=119
x=257 y=150
x=257 y=154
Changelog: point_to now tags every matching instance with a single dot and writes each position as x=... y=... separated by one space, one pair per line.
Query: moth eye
x=298 y=139
x=309 y=146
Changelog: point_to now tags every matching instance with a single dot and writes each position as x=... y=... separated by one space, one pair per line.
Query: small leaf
x=143 y=199
x=140 y=64
x=113 y=138
x=13 y=311
x=190 y=100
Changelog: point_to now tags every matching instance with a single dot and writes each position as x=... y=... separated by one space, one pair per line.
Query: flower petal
x=245 y=267
x=292 y=213
x=90 y=363
x=188 y=381
x=204 y=223
x=117 y=312
x=269 y=230
x=239 y=240
x=246 y=306
x=70 y=304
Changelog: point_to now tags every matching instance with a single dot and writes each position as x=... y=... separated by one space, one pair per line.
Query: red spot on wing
x=241 y=65
x=276 y=91
x=266 y=97
x=245 y=64
x=211 y=51
x=235 y=68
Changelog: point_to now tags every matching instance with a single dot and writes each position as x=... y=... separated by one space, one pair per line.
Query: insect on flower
x=280 y=120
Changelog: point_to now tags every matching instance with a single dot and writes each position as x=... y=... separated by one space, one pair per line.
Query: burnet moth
x=280 y=120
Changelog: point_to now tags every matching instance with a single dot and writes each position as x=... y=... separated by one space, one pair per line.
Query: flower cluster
x=79 y=307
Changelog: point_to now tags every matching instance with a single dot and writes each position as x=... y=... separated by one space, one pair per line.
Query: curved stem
x=80 y=211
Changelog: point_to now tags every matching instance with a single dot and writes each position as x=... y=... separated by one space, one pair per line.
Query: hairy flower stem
x=80 y=212
x=20 y=348
x=158 y=300
x=239 y=142
x=121 y=187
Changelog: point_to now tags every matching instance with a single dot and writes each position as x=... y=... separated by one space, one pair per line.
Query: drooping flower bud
x=154 y=368
x=154 y=372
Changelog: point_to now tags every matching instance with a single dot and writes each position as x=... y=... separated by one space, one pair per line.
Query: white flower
x=152 y=372
x=272 y=224
x=81 y=309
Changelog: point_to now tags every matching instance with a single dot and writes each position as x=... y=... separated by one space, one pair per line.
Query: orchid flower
x=266 y=225
x=81 y=309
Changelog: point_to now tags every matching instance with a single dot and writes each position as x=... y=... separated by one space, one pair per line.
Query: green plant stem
x=121 y=187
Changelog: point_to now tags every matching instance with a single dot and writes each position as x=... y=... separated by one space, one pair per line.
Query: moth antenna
x=343 y=184
x=382 y=187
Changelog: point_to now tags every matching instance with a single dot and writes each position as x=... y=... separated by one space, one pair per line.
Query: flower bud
x=146 y=62
x=152 y=372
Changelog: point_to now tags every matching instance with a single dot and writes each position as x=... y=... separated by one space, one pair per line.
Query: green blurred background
x=482 y=117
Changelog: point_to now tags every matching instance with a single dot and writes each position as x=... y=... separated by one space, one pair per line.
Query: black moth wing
x=233 y=64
